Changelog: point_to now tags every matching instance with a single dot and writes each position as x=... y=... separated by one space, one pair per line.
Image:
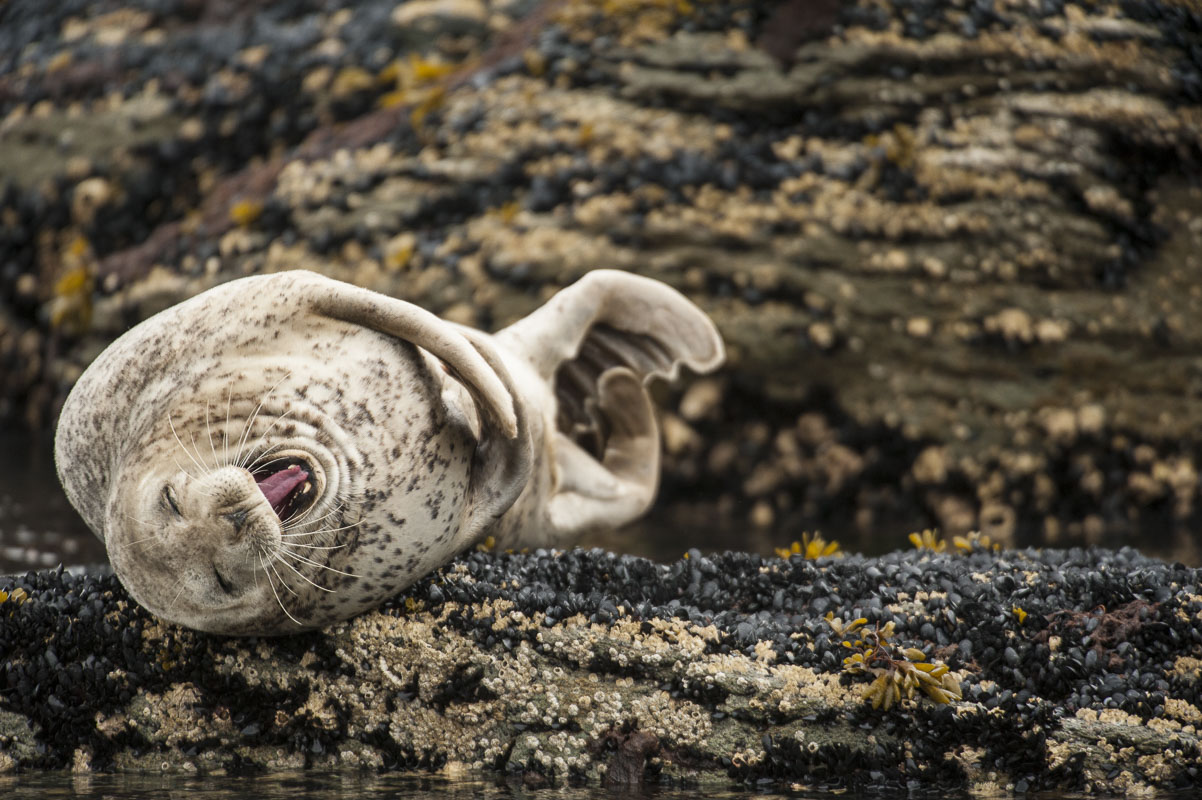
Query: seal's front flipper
x=503 y=459
x=597 y=344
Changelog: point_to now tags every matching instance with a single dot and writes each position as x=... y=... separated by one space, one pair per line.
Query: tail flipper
x=598 y=343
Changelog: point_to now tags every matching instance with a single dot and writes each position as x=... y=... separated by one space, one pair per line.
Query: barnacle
x=811 y=546
x=928 y=540
x=170 y=656
x=897 y=670
x=642 y=20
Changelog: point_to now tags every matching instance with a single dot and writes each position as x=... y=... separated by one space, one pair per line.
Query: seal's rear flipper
x=598 y=343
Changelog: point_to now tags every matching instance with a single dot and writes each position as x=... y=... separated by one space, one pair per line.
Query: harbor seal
x=285 y=451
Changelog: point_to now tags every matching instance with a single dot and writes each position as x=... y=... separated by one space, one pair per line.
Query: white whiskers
x=258 y=463
x=183 y=585
x=318 y=546
x=132 y=547
x=306 y=579
x=225 y=432
x=316 y=532
x=250 y=422
x=274 y=422
x=293 y=524
x=203 y=469
x=284 y=549
x=266 y=566
x=190 y=475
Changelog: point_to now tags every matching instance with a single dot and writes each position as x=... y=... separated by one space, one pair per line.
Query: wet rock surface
x=1079 y=670
x=954 y=248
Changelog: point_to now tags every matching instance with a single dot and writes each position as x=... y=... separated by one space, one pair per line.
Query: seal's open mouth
x=286 y=485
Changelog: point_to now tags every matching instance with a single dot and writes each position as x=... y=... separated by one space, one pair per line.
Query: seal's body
x=285 y=451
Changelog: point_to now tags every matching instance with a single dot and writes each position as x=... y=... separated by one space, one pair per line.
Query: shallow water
x=296 y=786
x=39 y=529
x=315 y=786
x=366 y=786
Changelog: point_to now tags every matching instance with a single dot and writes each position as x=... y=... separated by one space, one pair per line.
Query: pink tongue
x=277 y=486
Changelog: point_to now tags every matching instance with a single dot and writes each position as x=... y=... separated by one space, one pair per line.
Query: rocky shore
x=1075 y=671
x=954 y=247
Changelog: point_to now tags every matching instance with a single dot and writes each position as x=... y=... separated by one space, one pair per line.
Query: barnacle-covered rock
x=589 y=667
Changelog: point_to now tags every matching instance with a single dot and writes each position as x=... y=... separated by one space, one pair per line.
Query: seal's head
x=204 y=546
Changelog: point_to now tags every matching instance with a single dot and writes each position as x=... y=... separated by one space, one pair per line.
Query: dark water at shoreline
x=38 y=527
x=301 y=786
x=357 y=785
x=366 y=786
x=40 y=530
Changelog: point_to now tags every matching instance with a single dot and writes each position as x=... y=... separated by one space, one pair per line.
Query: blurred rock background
x=955 y=248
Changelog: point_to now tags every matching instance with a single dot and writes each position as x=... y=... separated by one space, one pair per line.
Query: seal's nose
x=237 y=519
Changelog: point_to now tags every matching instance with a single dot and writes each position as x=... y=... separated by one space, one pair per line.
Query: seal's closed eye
x=169 y=496
x=222 y=582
